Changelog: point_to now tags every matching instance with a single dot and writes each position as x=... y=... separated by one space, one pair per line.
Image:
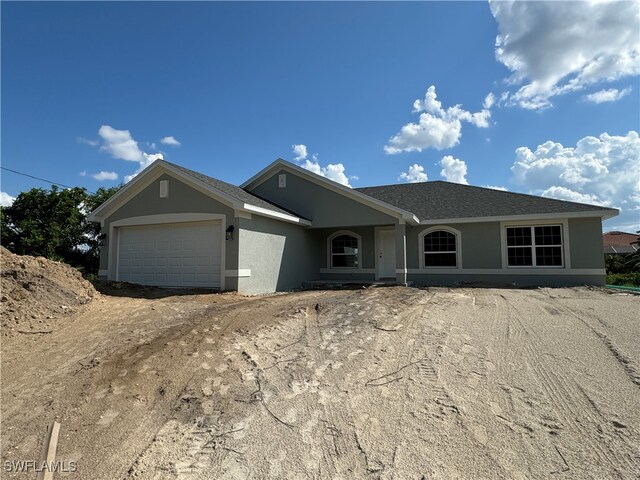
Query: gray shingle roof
x=442 y=200
x=233 y=191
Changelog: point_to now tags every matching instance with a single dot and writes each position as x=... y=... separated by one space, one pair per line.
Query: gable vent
x=164 y=188
x=282 y=180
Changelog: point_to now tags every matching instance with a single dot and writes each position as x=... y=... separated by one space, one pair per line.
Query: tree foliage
x=616 y=263
x=632 y=261
x=53 y=224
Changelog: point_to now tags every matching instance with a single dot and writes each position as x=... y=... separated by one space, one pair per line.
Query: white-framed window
x=439 y=247
x=344 y=248
x=534 y=246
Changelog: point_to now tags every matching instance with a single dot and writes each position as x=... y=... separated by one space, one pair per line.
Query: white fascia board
x=371 y=202
x=508 y=218
x=271 y=214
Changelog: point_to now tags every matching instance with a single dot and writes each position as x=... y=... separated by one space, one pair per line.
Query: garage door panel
x=171 y=255
x=174 y=262
x=189 y=261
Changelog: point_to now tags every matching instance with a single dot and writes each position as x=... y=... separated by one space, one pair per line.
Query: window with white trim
x=440 y=249
x=344 y=250
x=535 y=246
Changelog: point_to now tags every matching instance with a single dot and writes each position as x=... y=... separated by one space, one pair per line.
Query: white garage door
x=171 y=255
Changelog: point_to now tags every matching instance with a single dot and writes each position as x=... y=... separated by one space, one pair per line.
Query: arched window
x=440 y=248
x=344 y=250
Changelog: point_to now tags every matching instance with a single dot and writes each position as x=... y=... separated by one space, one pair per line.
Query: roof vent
x=164 y=188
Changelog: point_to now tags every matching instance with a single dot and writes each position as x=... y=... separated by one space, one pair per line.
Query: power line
x=38 y=178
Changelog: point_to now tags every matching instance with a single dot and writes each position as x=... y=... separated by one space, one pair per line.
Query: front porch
x=375 y=254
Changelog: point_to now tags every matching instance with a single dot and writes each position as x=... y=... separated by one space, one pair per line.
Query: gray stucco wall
x=322 y=206
x=480 y=244
x=281 y=256
x=367 y=245
x=182 y=199
x=585 y=240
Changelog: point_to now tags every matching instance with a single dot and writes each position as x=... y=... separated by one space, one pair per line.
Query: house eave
x=276 y=215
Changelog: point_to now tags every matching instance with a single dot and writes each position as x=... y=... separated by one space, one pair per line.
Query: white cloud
x=609 y=95
x=300 y=152
x=414 y=175
x=170 y=140
x=120 y=144
x=489 y=100
x=335 y=171
x=495 y=187
x=558 y=47
x=564 y=193
x=602 y=170
x=454 y=170
x=436 y=128
x=83 y=173
x=102 y=176
x=86 y=141
x=6 y=200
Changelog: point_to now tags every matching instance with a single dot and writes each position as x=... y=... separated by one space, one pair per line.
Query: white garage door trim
x=160 y=219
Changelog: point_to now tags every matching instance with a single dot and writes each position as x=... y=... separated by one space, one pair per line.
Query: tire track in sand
x=567 y=397
x=343 y=453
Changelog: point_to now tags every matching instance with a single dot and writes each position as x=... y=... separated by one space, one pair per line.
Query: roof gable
x=232 y=191
x=228 y=194
x=353 y=194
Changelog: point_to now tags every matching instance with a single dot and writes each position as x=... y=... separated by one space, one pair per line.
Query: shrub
x=629 y=279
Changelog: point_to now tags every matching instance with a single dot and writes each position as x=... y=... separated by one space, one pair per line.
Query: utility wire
x=38 y=178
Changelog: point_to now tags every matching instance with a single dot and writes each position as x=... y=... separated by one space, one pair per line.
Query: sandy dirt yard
x=386 y=383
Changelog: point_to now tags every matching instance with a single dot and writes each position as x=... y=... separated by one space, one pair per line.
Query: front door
x=386 y=242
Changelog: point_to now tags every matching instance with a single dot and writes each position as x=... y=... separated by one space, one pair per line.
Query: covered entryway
x=171 y=255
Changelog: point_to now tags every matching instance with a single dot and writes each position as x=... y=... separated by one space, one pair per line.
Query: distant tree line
x=53 y=224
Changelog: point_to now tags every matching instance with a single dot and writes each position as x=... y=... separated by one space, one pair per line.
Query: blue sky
x=91 y=89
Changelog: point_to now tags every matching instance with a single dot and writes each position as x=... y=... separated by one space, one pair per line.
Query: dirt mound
x=36 y=291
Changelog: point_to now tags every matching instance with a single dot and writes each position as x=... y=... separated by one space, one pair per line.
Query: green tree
x=632 y=261
x=53 y=224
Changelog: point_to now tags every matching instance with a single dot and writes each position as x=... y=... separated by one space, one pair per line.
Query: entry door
x=386 y=254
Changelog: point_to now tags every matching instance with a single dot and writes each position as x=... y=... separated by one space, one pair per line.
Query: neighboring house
x=174 y=227
x=620 y=243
